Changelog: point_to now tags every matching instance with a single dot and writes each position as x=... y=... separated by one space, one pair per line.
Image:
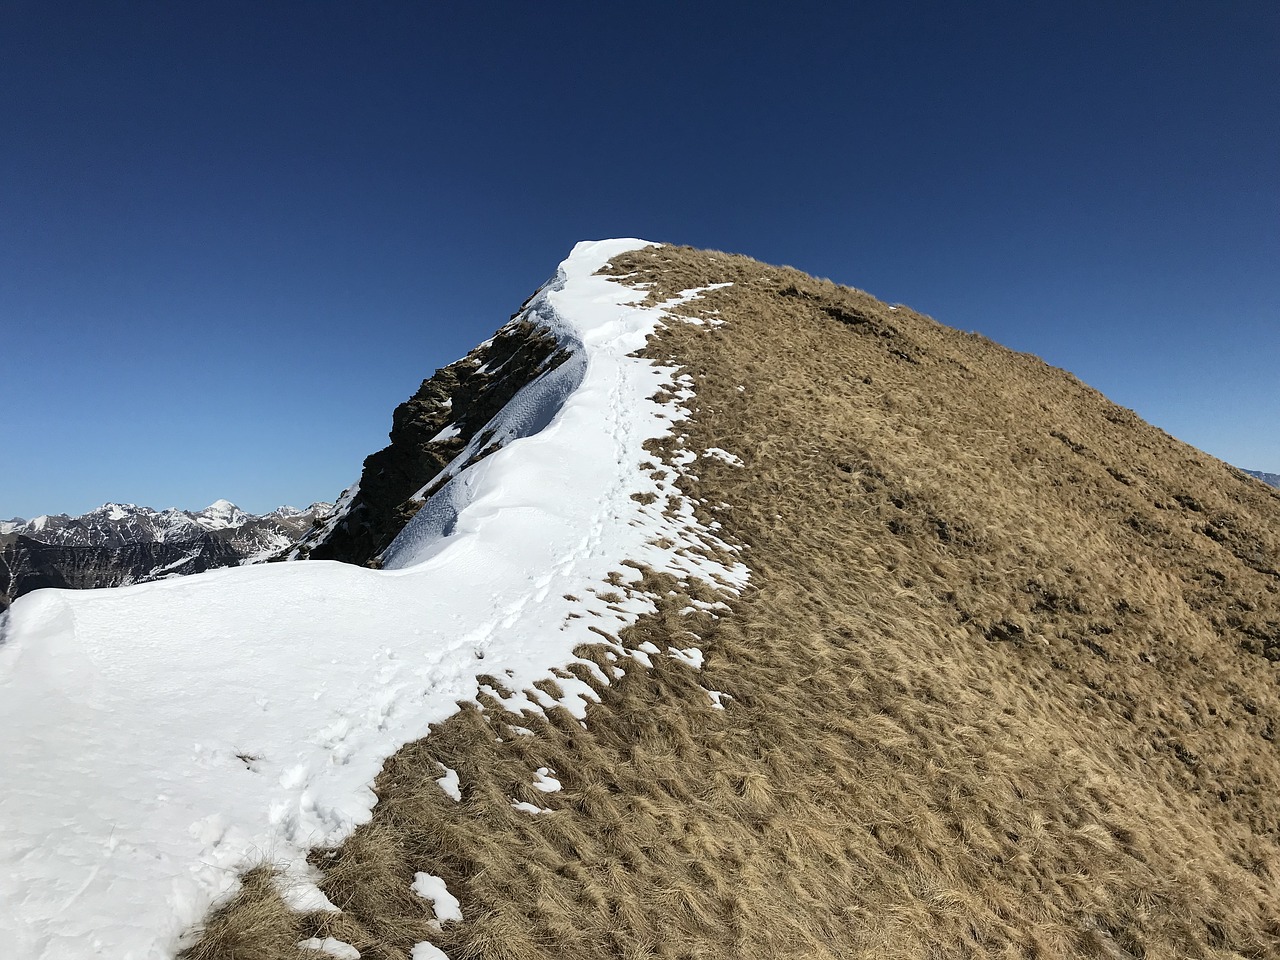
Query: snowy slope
x=157 y=739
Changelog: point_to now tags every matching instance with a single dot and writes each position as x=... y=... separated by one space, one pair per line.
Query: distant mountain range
x=1271 y=478
x=121 y=543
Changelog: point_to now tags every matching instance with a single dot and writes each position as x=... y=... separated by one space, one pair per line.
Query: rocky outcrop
x=428 y=431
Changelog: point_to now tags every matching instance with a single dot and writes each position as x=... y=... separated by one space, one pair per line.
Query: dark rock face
x=427 y=432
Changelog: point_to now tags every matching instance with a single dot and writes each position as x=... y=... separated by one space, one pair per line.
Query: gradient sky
x=233 y=236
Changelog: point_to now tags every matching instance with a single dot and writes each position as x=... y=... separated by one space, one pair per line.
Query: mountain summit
x=760 y=619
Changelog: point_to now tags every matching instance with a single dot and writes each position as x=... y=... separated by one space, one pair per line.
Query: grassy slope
x=1001 y=687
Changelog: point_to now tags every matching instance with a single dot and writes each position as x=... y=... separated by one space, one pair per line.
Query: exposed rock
x=427 y=431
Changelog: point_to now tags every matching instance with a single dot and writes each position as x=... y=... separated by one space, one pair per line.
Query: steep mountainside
x=119 y=543
x=875 y=640
x=1005 y=683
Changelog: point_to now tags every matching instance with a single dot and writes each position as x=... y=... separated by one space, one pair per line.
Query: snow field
x=157 y=740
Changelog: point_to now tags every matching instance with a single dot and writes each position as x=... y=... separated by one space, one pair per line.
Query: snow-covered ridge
x=122 y=543
x=157 y=739
x=116 y=524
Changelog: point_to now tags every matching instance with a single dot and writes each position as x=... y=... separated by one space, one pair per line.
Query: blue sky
x=233 y=236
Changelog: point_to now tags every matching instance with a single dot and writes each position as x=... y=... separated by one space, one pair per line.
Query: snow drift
x=156 y=740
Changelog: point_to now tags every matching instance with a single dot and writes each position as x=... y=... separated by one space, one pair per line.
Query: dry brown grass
x=1004 y=684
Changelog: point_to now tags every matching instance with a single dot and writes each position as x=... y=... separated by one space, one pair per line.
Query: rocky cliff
x=427 y=431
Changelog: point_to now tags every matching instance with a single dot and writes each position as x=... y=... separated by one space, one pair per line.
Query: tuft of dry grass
x=1004 y=683
x=257 y=924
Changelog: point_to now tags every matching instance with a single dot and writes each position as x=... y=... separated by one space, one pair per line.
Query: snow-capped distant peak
x=221 y=514
x=318 y=509
x=115 y=511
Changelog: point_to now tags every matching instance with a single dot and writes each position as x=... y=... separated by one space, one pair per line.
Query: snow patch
x=443 y=903
x=448 y=433
x=449 y=782
x=332 y=946
x=427 y=951
x=691 y=655
x=524 y=806
x=542 y=780
x=302 y=894
x=723 y=455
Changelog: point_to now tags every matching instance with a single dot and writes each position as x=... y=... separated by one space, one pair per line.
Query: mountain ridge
x=122 y=543
x=930 y=650
x=1003 y=683
x=1271 y=479
x=281 y=687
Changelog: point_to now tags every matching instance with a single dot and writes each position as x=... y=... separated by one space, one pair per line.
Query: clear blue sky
x=234 y=235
